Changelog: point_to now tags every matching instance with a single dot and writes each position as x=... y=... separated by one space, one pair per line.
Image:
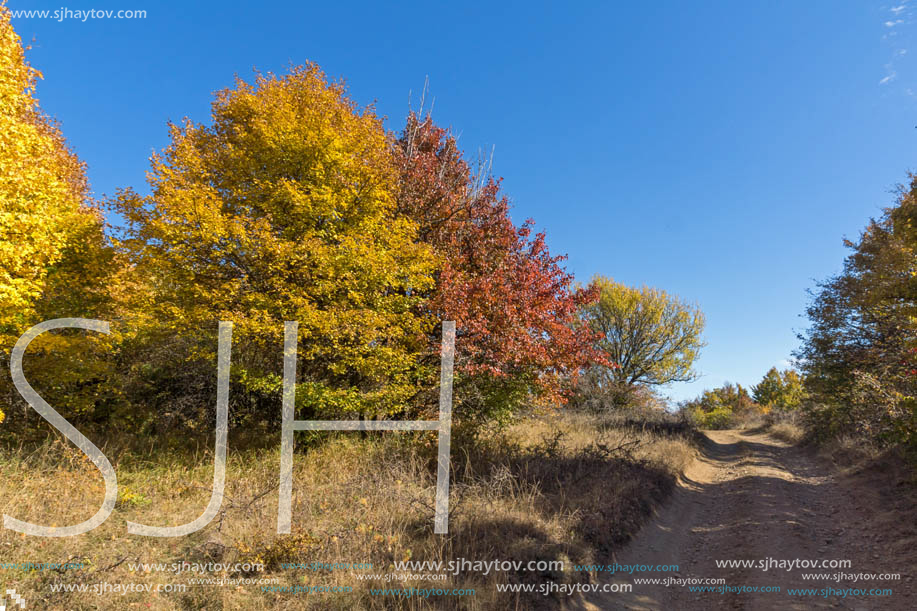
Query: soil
x=749 y=496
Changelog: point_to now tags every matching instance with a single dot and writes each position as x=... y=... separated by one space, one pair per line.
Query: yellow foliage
x=282 y=209
x=53 y=258
x=42 y=186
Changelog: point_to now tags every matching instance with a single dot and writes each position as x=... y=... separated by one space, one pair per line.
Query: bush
x=725 y=407
x=717 y=418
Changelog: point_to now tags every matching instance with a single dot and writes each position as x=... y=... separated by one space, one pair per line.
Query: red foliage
x=514 y=305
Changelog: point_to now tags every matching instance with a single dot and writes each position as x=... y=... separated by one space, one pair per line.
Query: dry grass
x=788 y=432
x=556 y=486
x=850 y=453
x=784 y=425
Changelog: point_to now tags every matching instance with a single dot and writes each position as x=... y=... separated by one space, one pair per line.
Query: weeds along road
x=749 y=496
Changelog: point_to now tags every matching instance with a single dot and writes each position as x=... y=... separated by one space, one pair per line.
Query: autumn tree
x=42 y=187
x=283 y=208
x=654 y=338
x=54 y=261
x=783 y=390
x=858 y=354
x=514 y=304
x=721 y=408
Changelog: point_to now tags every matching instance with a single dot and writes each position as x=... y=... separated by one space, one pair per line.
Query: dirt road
x=752 y=497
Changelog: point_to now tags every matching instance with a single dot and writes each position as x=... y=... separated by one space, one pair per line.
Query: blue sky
x=717 y=150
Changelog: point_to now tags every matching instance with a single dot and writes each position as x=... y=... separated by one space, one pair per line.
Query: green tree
x=783 y=390
x=653 y=337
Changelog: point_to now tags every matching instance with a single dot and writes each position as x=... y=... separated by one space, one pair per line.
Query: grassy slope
x=556 y=486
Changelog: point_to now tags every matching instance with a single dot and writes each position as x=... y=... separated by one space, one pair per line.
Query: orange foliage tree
x=515 y=306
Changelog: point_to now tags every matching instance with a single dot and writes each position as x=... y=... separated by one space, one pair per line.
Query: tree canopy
x=783 y=390
x=514 y=304
x=858 y=354
x=54 y=261
x=653 y=337
x=283 y=209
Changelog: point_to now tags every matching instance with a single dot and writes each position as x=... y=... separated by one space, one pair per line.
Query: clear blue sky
x=718 y=150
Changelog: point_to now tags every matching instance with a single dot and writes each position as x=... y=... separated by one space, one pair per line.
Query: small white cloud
x=900 y=13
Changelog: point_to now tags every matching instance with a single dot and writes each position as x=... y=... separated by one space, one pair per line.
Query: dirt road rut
x=752 y=497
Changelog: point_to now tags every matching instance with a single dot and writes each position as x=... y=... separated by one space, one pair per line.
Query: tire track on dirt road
x=749 y=496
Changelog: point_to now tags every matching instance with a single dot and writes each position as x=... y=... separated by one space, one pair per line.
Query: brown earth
x=749 y=496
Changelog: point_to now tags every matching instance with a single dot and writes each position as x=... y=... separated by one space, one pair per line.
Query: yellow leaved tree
x=282 y=209
x=42 y=186
x=53 y=259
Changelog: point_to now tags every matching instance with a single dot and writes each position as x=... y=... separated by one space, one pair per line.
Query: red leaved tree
x=514 y=305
